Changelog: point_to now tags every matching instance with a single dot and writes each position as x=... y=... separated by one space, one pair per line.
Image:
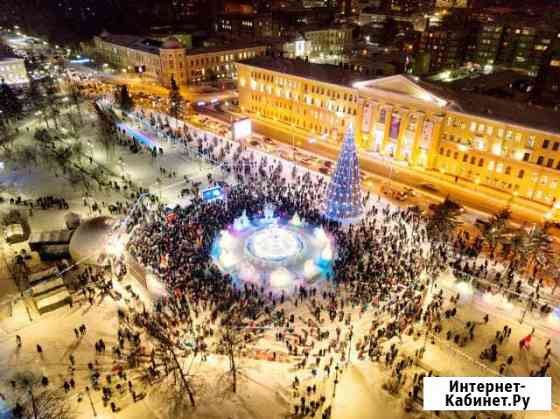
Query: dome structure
x=90 y=241
x=172 y=43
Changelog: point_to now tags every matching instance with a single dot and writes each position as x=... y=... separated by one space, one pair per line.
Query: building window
x=521 y=174
x=526 y=157
x=508 y=170
x=545 y=144
x=480 y=162
x=555 y=146
x=550 y=162
x=540 y=160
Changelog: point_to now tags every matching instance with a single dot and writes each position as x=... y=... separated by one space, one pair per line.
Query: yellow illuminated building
x=13 y=72
x=509 y=147
x=167 y=60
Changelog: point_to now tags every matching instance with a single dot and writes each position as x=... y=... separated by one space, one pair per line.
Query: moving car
x=428 y=187
x=269 y=145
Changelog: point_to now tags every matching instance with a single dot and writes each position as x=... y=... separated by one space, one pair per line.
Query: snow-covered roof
x=437 y=96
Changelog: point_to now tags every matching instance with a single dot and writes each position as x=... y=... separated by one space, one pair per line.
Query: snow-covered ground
x=264 y=389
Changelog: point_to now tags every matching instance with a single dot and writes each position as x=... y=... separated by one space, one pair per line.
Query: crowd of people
x=385 y=271
x=384 y=290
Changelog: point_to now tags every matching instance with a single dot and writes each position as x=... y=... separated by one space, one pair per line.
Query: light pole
x=115 y=247
x=335 y=380
x=293 y=143
x=91 y=401
x=123 y=167
x=158 y=181
x=350 y=344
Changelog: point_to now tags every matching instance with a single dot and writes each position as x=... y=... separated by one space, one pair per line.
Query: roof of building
x=172 y=43
x=499 y=78
x=225 y=47
x=499 y=109
x=325 y=73
x=473 y=104
x=140 y=43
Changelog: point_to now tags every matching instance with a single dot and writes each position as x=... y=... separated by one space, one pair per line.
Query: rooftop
x=225 y=47
x=483 y=106
x=503 y=110
x=140 y=43
x=325 y=73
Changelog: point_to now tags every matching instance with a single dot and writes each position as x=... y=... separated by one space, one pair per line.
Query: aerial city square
x=261 y=209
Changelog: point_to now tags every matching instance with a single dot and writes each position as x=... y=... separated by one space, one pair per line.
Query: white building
x=12 y=71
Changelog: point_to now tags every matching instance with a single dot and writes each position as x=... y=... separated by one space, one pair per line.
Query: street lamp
x=335 y=380
x=115 y=248
x=91 y=401
x=293 y=143
x=123 y=167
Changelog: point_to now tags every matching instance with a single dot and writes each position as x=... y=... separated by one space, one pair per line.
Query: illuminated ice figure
x=241 y=223
x=296 y=221
x=226 y=240
x=268 y=213
x=281 y=278
x=327 y=253
x=227 y=259
x=248 y=273
x=320 y=235
x=310 y=270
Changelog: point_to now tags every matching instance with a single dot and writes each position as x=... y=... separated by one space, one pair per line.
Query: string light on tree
x=344 y=196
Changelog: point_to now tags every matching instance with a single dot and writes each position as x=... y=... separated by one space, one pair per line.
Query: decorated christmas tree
x=344 y=197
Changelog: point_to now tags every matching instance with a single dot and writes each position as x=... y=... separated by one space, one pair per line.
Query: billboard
x=212 y=194
x=241 y=129
x=366 y=120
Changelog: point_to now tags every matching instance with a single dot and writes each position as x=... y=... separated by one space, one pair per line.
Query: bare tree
x=76 y=97
x=7 y=135
x=26 y=156
x=106 y=134
x=37 y=401
x=232 y=341
x=234 y=338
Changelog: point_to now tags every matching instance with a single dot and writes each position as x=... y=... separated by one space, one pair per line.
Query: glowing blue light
x=211 y=194
x=82 y=61
x=137 y=135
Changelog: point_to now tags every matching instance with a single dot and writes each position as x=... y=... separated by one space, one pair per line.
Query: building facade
x=165 y=60
x=442 y=48
x=276 y=24
x=13 y=72
x=321 y=44
x=525 y=46
x=408 y=122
